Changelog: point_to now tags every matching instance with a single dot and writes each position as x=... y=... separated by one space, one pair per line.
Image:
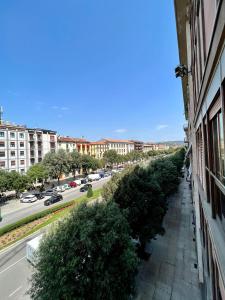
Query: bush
x=89 y=192
x=89 y=255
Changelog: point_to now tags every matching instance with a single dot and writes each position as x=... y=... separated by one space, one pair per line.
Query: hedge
x=39 y=215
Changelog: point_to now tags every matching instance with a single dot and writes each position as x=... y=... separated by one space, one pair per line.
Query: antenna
x=1 y=113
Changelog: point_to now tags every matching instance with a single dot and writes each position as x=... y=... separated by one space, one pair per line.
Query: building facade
x=69 y=144
x=138 y=145
x=40 y=142
x=201 y=41
x=122 y=147
x=149 y=147
x=97 y=149
x=13 y=148
x=21 y=147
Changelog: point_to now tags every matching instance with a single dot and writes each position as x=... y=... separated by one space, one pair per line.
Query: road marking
x=13 y=293
x=9 y=267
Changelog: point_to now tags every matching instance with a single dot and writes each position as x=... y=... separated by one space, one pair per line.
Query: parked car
x=28 y=199
x=60 y=189
x=72 y=184
x=39 y=195
x=85 y=187
x=66 y=186
x=102 y=174
x=93 y=177
x=77 y=181
x=84 y=181
x=53 y=199
x=50 y=192
x=107 y=174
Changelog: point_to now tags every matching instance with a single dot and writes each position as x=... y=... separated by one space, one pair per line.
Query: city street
x=15 y=271
x=14 y=210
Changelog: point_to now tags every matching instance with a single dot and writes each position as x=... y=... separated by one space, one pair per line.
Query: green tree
x=75 y=162
x=4 y=181
x=17 y=182
x=89 y=162
x=89 y=255
x=90 y=192
x=111 y=157
x=57 y=163
x=37 y=172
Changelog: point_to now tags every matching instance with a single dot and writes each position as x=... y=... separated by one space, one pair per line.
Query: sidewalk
x=170 y=273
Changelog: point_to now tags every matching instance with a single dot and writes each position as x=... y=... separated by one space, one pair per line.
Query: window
x=13 y=162
x=2 y=144
x=2 y=164
x=22 y=135
x=12 y=153
x=22 y=162
x=217 y=152
x=21 y=144
x=12 y=135
x=21 y=153
x=22 y=171
x=2 y=133
x=2 y=153
x=12 y=144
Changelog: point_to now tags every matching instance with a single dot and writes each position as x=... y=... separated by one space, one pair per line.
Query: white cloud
x=64 y=108
x=121 y=130
x=161 y=126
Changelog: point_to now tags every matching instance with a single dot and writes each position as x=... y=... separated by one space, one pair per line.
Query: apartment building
x=40 y=142
x=201 y=40
x=149 y=147
x=70 y=144
x=97 y=149
x=13 y=148
x=138 y=145
x=120 y=146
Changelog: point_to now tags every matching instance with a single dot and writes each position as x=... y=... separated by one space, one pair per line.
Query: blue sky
x=91 y=68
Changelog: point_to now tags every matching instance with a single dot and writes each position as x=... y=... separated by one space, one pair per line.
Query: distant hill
x=178 y=143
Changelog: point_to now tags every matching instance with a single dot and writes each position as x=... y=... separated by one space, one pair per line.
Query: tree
x=75 y=162
x=89 y=255
x=4 y=181
x=111 y=157
x=37 y=172
x=89 y=162
x=89 y=192
x=57 y=163
x=17 y=182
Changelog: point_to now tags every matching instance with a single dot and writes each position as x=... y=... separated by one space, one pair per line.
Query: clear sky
x=92 y=68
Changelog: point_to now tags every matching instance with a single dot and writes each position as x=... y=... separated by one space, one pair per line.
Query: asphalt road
x=25 y=209
x=15 y=272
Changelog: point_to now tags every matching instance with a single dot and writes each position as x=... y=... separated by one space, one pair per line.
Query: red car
x=72 y=184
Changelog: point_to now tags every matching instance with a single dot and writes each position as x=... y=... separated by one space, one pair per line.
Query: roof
x=12 y=126
x=117 y=141
x=42 y=130
x=98 y=143
x=67 y=139
x=34 y=243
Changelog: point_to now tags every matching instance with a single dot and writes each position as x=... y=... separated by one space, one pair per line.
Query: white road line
x=9 y=267
x=13 y=293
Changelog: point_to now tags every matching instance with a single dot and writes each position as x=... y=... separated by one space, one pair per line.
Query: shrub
x=89 y=192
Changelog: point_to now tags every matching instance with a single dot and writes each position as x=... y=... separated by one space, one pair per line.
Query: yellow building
x=97 y=149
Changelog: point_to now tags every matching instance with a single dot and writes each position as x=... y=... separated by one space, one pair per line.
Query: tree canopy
x=88 y=256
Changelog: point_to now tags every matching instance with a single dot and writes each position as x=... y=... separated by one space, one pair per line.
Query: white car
x=29 y=199
x=77 y=181
x=32 y=249
x=60 y=188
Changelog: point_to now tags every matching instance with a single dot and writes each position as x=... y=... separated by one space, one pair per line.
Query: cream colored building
x=97 y=149
x=122 y=147
x=69 y=144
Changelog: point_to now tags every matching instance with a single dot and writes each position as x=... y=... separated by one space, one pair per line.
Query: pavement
x=15 y=272
x=171 y=273
x=14 y=210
